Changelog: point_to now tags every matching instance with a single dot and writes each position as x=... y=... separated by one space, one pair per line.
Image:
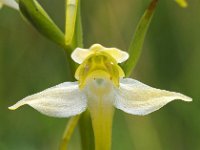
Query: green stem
x=86 y=131
x=68 y=132
x=72 y=64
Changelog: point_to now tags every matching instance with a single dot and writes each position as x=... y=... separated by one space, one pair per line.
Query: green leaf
x=135 y=47
x=37 y=16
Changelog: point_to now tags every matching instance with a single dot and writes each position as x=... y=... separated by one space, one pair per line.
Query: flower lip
x=98 y=76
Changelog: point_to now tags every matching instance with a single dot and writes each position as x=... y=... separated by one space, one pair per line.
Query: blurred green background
x=170 y=60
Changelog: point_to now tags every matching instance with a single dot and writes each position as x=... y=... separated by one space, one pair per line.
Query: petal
x=10 y=3
x=137 y=98
x=80 y=54
x=63 y=100
x=119 y=55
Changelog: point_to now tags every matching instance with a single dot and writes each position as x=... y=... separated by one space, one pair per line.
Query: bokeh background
x=170 y=60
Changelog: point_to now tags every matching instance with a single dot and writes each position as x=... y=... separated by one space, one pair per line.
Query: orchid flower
x=10 y=3
x=100 y=87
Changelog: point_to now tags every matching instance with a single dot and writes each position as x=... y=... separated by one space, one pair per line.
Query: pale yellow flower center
x=99 y=65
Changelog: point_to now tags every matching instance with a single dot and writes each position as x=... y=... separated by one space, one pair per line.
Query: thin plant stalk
x=68 y=132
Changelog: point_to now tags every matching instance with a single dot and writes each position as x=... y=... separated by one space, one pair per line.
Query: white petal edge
x=119 y=55
x=63 y=100
x=80 y=54
x=136 y=98
x=10 y=3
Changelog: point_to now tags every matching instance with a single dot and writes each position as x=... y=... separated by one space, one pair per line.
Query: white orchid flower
x=10 y=3
x=100 y=88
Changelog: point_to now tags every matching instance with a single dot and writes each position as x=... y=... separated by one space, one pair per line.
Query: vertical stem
x=72 y=64
x=86 y=131
x=73 y=31
x=73 y=39
x=68 y=132
x=70 y=44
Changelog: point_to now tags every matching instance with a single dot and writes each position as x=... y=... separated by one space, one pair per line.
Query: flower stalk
x=73 y=39
x=86 y=131
x=68 y=132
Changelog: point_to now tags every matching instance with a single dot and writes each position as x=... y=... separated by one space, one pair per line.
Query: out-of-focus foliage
x=170 y=60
